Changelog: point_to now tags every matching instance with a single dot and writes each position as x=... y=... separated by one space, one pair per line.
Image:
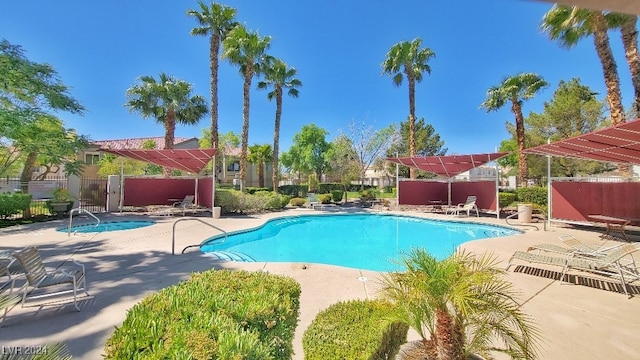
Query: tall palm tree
x=408 y=59
x=216 y=21
x=515 y=89
x=260 y=154
x=629 y=31
x=280 y=77
x=169 y=101
x=460 y=306
x=568 y=25
x=247 y=49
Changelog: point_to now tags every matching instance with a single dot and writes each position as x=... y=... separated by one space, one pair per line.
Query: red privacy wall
x=422 y=192
x=576 y=200
x=152 y=191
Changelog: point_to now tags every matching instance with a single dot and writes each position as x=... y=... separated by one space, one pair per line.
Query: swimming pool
x=107 y=226
x=363 y=241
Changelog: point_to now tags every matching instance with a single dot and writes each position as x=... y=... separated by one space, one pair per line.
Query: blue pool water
x=107 y=226
x=363 y=241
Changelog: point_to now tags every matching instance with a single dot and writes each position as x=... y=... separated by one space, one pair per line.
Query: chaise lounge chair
x=574 y=246
x=8 y=299
x=618 y=262
x=184 y=205
x=312 y=201
x=467 y=207
x=39 y=279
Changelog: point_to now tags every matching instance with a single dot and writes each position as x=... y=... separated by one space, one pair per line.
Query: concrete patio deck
x=593 y=320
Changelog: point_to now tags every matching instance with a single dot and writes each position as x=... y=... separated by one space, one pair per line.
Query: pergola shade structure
x=190 y=160
x=447 y=165
x=617 y=144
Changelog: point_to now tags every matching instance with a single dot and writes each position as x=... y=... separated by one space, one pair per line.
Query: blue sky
x=100 y=48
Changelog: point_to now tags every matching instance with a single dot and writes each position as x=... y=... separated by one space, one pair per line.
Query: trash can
x=216 y=212
x=524 y=213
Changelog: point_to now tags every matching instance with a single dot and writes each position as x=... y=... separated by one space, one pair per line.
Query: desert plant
x=324 y=198
x=61 y=195
x=296 y=201
x=461 y=306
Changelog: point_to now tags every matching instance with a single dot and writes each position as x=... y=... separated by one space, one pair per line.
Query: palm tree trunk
x=609 y=68
x=248 y=76
x=169 y=135
x=516 y=108
x=447 y=344
x=214 y=46
x=261 y=174
x=630 y=41
x=276 y=139
x=412 y=120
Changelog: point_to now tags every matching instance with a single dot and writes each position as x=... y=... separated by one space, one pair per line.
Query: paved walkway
x=591 y=321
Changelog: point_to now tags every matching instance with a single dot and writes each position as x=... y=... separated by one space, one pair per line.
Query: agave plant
x=461 y=307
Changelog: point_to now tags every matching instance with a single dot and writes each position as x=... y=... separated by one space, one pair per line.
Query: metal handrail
x=79 y=210
x=173 y=236
x=518 y=213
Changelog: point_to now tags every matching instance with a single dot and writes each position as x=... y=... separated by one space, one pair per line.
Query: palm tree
x=260 y=154
x=409 y=59
x=568 y=25
x=460 y=306
x=215 y=20
x=247 y=49
x=169 y=101
x=629 y=32
x=515 y=89
x=280 y=77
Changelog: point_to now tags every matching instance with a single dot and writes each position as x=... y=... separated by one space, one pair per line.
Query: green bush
x=293 y=190
x=368 y=194
x=532 y=195
x=235 y=201
x=324 y=198
x=337 y=195
x=253 y=190
x=327 y=188
x=358 y=329
x=506 y=199
x=389 y=189
x=217 y=314
x=296 y=201
x=11 y=204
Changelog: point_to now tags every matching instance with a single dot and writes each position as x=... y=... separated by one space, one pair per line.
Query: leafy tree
x=307 y=154
x=460 y=306
x=167 y=100
x=370 y=144
x=570 y=24
x=515 y=89
x=29 y=91
x=428 y=143
x=260 y=154
x=247 y=49
x=215 y=21
x=279 y=76
x=573 y=110
x=408 y=59
x=342 y=161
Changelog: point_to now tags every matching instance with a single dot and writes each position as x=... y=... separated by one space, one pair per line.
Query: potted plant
x=61 y=202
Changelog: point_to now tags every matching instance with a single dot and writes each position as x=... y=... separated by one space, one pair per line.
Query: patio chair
x=312 y=200
x=8 y=299
x=575 y=246
x=618 y=262
x=186 y=203
x=39 y=279
x=467 y=207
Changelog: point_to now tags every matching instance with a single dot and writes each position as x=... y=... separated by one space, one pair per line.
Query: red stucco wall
x=422 y=192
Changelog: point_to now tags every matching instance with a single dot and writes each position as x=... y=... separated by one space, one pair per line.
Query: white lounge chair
x=39 y=279
x=575 y=246
x=186 y=204
x=468 y=206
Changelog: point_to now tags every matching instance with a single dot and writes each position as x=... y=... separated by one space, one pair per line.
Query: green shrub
x=368 y=194
x=337 y=195
x=217 y=314
x=327 y=188
x=533 y=195
x=296 y=201
x=11 y=204
x=293 y=190
x=358 y=329
x=506 y=198
x=389 y=189
x=324 y=198
x=235 y=201
x=253 y=190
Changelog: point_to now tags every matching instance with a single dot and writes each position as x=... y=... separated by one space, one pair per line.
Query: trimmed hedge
x=506 y=199
x=324 y=198
x=354 y=330
x=235 y=201
x=11 y=204
x=217 y=314
x=296 y=201
x=294 y=190
x=533 y=195
x=337 y=195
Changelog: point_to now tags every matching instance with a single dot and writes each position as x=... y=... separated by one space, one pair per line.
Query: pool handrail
x=79 y=210
x=173 y=236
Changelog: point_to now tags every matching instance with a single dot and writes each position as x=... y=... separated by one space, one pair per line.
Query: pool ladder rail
x=173 y=236
x=80 y=210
